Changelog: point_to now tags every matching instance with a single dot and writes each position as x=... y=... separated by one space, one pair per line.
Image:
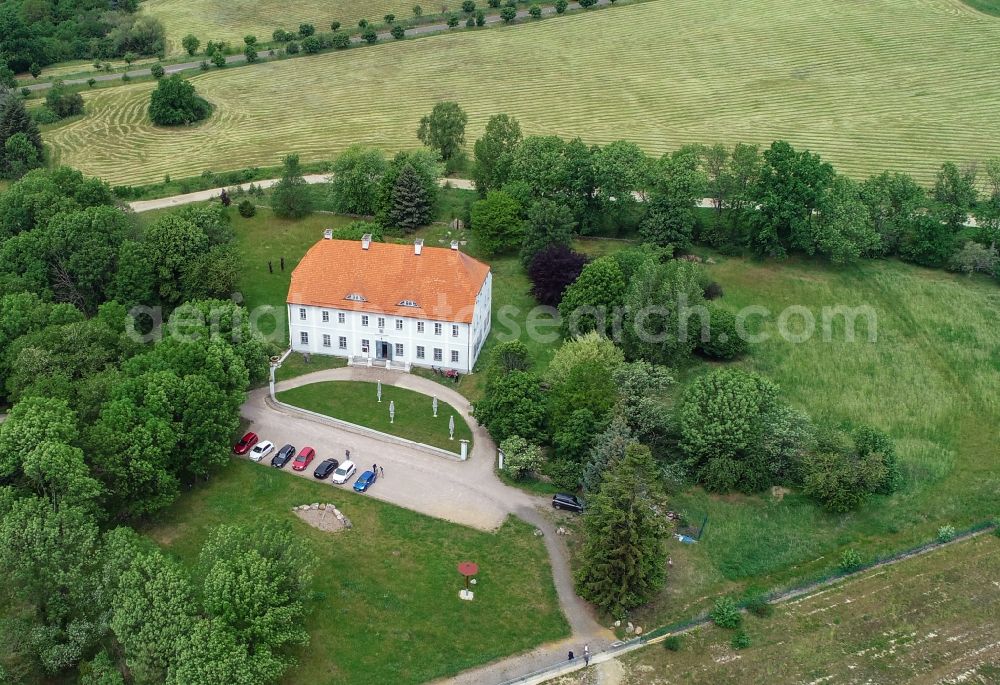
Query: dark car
x=324 y=470
x=283 y=456
x=567 y=502
x=245 y=443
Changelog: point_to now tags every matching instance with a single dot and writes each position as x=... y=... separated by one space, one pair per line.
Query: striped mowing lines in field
x=231 y=20
x=870 y=85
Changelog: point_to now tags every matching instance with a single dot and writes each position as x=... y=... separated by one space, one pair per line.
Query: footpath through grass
x=384 y=598
x=930 y=619
x=357 y=402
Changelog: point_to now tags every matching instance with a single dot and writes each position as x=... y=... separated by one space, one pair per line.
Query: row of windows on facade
x=365 y=347
x=342 y=318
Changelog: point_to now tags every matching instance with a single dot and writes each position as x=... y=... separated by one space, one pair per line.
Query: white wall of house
x=419 y=341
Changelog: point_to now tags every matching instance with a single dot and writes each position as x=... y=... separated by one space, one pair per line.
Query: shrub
x=334 y=26
x=389 y=18
x=249 y=40
x=712 y=291
x=850 y=560
x=452 y=20
x=740 y=640
x=398 y=32
x=561 y=6
x=341 y=40
x=468 y=6
x=370 y=35
x=311 y=45
x=493 y=3
x=480 y=18
x=470 y=23
x=43 y=115
x=673 y=643
x=758 y=605
x=175 y=103
x=190 y=44
x=281 y=36
x=63 y=102
x=219 y=59
x=417 y=10
x=973 y=257
x=946 y=533
x=726 y=614
x=724 y=341
x=203 y=66
x=246 y=208
x=157 y=71
x=508 y=14
x=250 y=53
x=91 y=81
x=587 y=4
x=535 y=11
x=292 y=48
x=306 y=30
x=520 y=457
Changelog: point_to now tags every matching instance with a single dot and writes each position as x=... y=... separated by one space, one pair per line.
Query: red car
x=304 y=459
x=245 y=443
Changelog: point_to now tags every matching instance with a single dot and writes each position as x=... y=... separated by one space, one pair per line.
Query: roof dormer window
x=355 y=297
x=408 y=303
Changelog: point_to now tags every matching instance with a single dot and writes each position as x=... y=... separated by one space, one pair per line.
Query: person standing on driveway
x=375 y=470
x=586 y=655
x=381 y=472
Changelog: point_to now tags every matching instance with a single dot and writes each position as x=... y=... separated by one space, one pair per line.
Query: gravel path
x=468 y=493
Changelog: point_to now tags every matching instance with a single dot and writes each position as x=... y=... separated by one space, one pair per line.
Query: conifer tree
x=14 y=119
x=624 y=559
x=410 y=207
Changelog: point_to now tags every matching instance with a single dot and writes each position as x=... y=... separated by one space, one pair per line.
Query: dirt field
x=932 y=619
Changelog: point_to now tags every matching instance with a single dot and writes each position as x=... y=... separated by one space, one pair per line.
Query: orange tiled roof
x=443 y=282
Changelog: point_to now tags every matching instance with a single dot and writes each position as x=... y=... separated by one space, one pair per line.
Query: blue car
x=364 y=481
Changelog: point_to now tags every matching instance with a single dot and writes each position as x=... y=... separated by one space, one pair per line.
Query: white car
x=261 y=450
x=344 y=472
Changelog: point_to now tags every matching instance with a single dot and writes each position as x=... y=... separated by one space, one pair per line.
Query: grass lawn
x=836 y=78
x=932 y=381
x=991 y=7
x=296 y=365
x=931 y=619
x=357 y=402
x=385 y=606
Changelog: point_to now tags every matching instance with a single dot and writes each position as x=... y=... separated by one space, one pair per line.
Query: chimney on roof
x=366 y=241
x=328 y=234
x=454 y=244
x=418 y=245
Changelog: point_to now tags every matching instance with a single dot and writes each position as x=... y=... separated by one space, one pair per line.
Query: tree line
x=105 y=431
x=770 y=202
x=34 y=34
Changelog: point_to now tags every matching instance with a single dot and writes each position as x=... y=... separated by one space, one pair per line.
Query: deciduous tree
x=443 y=129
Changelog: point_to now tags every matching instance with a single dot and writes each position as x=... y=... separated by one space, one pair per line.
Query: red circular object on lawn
x=468 y=568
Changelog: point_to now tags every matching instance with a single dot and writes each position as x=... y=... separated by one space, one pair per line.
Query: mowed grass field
x=230 y=21
x=870 y=85
x=384 y=597
x=927 y=620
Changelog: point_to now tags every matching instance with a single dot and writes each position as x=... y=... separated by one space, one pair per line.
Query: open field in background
x=928 y=620
x=385 y=606
x=888 y=84
x=357 y=402
x=230 y=21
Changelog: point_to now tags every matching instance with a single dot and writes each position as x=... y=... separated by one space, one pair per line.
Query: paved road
x=237 y=59
x=467 y=493
x=212 y=193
